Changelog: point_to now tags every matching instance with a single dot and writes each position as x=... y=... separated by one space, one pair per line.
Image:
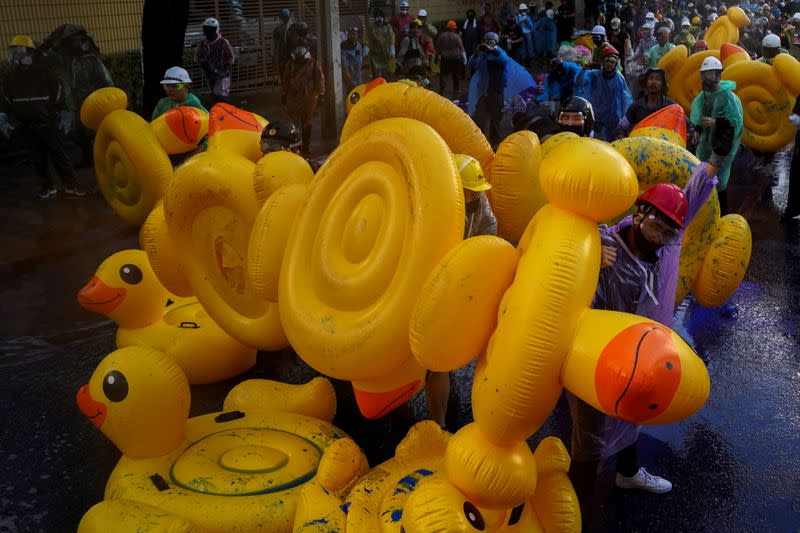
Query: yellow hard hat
x=472 y=177
x=21 y=40
x=695 y=20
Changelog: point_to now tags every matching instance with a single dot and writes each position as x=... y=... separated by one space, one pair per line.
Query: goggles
x=666 y=233
x=175 y=85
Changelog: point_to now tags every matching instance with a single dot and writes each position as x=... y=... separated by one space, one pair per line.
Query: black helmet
x=556 y=67
x=576 y=104
x=283 y=133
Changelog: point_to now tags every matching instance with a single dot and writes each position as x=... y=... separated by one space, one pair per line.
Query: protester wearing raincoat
x=719 y=103
x=544 y=35
x=608 y=93
x=645 y=288
x=560 y=81
x=525 y=23
x=352 y=60
x=380 y=41
x=514 y=79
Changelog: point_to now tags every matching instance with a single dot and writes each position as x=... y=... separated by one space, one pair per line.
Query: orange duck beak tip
x=374 y=405
x=98 y=297
x=638 y=373
x=92 y=409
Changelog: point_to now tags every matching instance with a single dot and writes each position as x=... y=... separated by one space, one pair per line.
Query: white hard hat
x=422 y=13
x=685 y=22
x=650 y=16
x=211 y=22
x=712 y=17
x=403 y=4
x=615 y=22
x=599 y=30
x=796 y=17
x=175 y=75
x=710 y=63
x=523 y=6
x=771 y=41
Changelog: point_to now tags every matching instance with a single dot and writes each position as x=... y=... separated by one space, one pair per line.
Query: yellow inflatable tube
x=211 y=208
x=241 y=470
x=399 y=100
x=385 y=207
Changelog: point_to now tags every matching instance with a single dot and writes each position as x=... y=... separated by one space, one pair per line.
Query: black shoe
x=46 y=193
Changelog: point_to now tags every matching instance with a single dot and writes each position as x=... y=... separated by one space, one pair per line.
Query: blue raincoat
x=610 y=98
x=560 y=87
x=515 y=78
x=544 y=36
x=526 y=25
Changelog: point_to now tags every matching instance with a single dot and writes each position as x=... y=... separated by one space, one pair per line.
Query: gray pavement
x=735 y=464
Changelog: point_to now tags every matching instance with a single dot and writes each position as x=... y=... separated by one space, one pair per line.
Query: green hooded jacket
x=721 y=103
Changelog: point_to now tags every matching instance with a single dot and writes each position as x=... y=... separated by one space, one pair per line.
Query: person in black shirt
x=515 y=43
x=565 y=22
x=652 y=98
x=488 y=66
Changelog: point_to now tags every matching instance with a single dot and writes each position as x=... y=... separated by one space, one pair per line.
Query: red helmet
x=609 y=51
x=667 y=198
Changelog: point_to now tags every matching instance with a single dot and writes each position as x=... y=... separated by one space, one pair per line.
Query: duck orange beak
x=638 y=373
x=98 y=297
x=374 y=405
x=91 y=409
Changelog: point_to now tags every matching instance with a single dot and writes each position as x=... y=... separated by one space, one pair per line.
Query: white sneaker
x=46 y=193
x=645 y=481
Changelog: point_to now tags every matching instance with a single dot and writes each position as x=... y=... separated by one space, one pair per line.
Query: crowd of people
x=602 y=95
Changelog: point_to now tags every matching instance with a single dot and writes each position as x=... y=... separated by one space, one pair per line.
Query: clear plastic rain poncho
x=645 y=289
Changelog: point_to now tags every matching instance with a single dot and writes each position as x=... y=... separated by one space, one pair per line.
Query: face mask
x=597 y=39
x=209 y=33
x=20 y=56
x=615 y=27
x=684 y=30
x=378 y=20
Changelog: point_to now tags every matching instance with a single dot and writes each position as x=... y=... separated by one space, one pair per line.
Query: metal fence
x=117 y=25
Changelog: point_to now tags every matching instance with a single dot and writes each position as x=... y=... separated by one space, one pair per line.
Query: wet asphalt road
x=735 y=465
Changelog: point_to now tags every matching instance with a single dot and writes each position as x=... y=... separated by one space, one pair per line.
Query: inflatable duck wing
x=126 y=290
x=239 y=470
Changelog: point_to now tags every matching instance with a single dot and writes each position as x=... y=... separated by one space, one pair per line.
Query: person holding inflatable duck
x=478 y=220
x=639 y=273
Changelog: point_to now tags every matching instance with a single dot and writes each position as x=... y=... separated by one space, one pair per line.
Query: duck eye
x=354 y=98
x=130 y=274
x=115 y=386
x=474 y=516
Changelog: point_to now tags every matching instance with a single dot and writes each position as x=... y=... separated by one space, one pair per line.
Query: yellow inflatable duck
x=125 y=289
x=725 y=29
x=409 y=493
x=544 y=336
x=359 y=92
x=237 y=470
x=767 y=92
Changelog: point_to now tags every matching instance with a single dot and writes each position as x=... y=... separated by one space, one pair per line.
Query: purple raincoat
x=641 y=288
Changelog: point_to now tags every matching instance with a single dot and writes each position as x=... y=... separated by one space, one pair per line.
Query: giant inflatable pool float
x=237 y=470
x=235 y=131
x=381 y=212
x=767 y=92
x=211 y=208
x=154 y=239
x=180 y=129
x=710 y=244
x=725 y=29
x=125 y=289
x=409 y=493
x=546 y=336
x=399 y=100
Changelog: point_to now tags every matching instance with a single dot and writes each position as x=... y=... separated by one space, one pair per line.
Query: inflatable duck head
x=140 y=399
x=359 y=92
x=125 y=289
